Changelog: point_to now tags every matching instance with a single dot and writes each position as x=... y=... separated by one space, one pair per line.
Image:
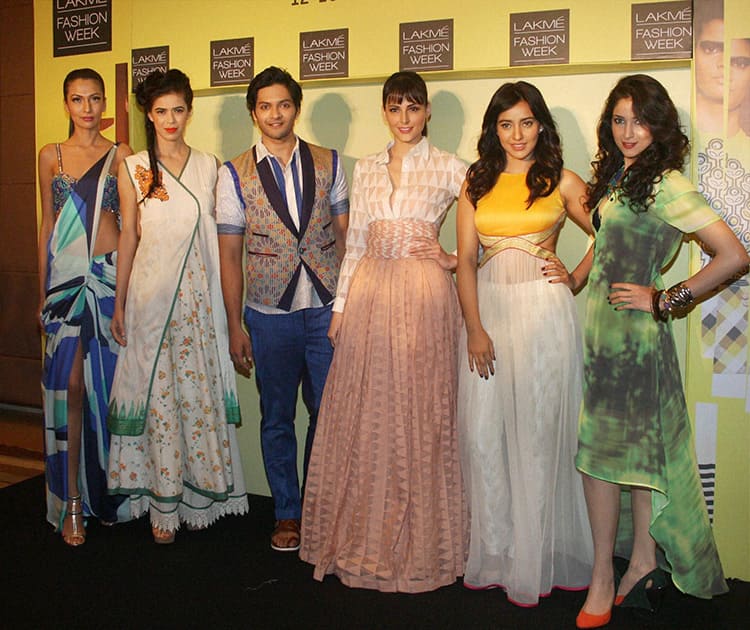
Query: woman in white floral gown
x=174 y=399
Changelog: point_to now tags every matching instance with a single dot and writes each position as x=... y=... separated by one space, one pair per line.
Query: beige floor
x=21 y=445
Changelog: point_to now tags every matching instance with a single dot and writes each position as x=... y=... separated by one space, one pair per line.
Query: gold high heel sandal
x=74 y=528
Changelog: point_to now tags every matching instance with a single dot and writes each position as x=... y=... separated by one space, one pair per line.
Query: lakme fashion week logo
x=661 y=30
x=426 y=45
x=324 y=54
x=232 y=61
x=81 y=26
x=540 y=37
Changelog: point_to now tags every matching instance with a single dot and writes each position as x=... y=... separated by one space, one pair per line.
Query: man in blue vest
x=287 y=202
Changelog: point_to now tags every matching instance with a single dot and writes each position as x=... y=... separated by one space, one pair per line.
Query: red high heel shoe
x=588 y=620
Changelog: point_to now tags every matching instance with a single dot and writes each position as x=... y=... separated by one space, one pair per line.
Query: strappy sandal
x=74 y=527
x=163 y=536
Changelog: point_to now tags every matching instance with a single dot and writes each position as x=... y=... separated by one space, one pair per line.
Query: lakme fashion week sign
x=324 y=54
x=661 y=30
x=540 y=37
x=232 y=61
x=81 y=26
x=425 y=46
x=146 y=60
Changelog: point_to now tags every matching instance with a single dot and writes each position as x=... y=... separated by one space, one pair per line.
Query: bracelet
x=657 y=313
x=679 y=296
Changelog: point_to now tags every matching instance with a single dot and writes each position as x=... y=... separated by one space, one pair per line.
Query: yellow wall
x=345 y=114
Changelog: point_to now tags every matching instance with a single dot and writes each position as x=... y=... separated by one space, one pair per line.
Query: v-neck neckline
x=184 y=166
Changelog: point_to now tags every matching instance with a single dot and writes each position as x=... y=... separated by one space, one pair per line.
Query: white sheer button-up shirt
x=431 y=180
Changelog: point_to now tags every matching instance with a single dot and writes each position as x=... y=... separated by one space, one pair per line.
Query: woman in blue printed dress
x=77 y=257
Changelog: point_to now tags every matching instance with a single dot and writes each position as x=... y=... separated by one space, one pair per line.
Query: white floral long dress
x=174 y=399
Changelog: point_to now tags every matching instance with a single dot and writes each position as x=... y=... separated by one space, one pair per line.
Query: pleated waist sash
x=393 y=238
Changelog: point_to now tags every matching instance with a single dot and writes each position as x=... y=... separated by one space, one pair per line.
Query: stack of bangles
x=664 y=303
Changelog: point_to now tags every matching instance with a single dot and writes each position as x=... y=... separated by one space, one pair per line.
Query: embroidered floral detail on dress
x=144 y=177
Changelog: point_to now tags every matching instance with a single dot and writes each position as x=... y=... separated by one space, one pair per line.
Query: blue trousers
x=288 y=350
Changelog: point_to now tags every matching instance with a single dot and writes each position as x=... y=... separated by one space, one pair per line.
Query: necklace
x=614 y=183
x=612 y=186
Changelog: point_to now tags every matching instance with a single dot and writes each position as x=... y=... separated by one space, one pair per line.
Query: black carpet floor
x=228 y=577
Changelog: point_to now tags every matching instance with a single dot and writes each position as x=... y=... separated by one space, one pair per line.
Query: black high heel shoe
x=647 y=598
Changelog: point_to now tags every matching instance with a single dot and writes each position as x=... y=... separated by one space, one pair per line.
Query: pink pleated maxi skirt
x=384 y=506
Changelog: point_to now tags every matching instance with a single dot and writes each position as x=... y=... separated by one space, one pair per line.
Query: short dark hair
x=405 y=85
x=703 y=13
x=273 y=76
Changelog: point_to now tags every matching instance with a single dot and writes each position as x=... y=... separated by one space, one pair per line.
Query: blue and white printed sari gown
x=78 y=309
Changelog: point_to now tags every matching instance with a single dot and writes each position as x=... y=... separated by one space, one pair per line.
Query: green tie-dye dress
x=634 y=427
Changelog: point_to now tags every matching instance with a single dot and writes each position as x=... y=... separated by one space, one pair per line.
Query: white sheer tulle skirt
x=517 y=431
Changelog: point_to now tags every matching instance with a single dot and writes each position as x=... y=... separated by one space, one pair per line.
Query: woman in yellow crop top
x=77 y=257
x=520 y=356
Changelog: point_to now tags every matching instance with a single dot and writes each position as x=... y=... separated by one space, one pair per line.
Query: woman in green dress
x=635 y=433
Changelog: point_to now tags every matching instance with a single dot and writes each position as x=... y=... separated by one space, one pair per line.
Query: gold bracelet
x=656 y=312
x=679 y=296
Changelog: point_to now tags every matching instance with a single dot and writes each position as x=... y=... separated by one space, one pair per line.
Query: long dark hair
x=405 y=85
x=544 y=174
x=667 y=151
x=157 y=84
x=87 y=74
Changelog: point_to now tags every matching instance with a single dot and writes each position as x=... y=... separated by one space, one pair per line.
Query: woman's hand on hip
x=556 y=272
x=429 y=249
x=627 y=296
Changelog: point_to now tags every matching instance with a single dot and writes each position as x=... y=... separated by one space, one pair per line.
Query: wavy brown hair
x=544 y=174
x=667 y=151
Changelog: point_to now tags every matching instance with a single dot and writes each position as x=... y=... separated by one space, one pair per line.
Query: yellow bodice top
x=502 y=211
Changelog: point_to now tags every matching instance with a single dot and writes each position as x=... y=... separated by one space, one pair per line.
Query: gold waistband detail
x=529 y=243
